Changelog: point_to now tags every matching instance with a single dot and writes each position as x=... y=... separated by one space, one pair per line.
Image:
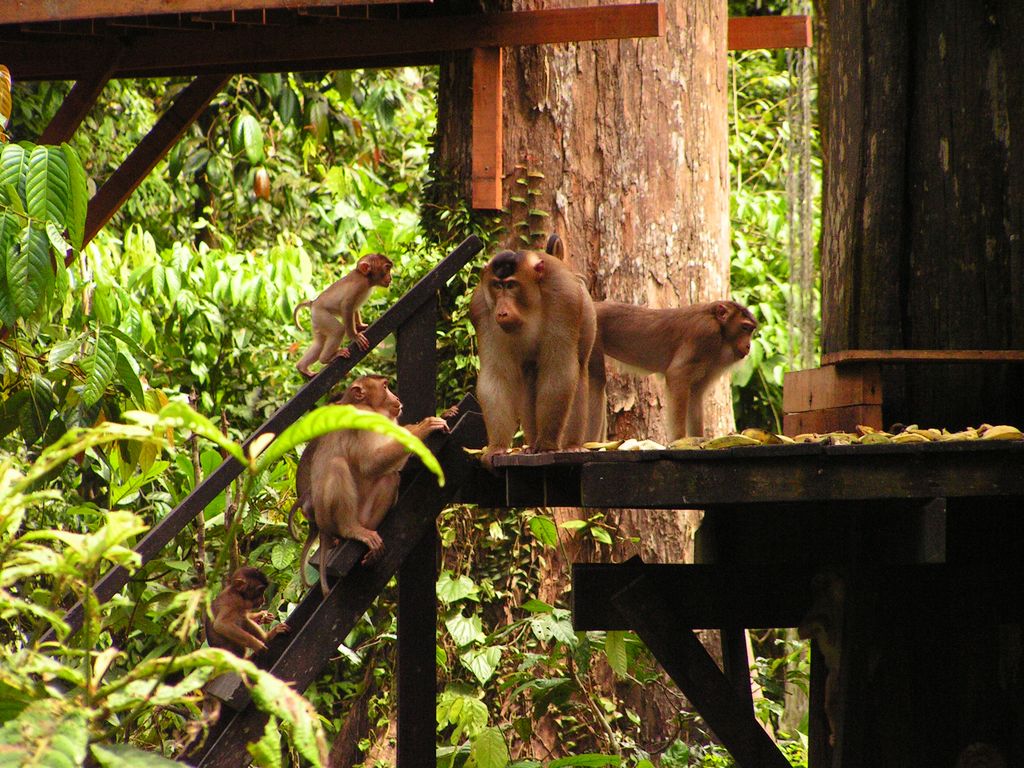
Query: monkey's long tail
x=295 y=313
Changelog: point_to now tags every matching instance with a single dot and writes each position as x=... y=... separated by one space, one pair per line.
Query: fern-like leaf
x=48 y=186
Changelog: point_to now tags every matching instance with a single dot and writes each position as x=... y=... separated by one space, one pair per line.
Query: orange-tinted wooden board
x=487 y=128
x=844 y=419
x=751 y=32
x=859 y=356
x=831 y=387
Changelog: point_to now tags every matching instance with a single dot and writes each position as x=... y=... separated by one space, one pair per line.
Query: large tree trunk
x=623 y=144
x=922 y=248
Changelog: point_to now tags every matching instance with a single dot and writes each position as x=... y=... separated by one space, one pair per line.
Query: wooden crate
x=832 y=399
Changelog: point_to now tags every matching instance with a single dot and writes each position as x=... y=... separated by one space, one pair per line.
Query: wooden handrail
x=852 y=356
x=163 y=532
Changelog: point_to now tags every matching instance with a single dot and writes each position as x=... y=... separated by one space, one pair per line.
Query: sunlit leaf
x=488 y=750
x=127 y=756
x=586 y=761
x=543 y=529
x=482 y=662
x=330 y=418
x=48 y=185
x=79 y=197
x=28 y=269
x=266 y=753
x=297 y=717
x=47 y=734
x=615 y=650
x=14 y=167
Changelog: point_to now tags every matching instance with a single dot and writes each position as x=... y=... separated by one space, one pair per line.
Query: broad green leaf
x=48 y=186
x=9 y=227
x=482 y=662
x=13 y=168
x=266 y=753
x=129 y=379
x=488 y=750
x=79 y=201
x=287 y=105
x=47 y=734
x=247 y=136
x=537 y=606
x=28 y=270
x=330 y=418
x=464 y=630
x=601 y=534
x=56 y=238
x=451 y=589
x=127 y=756
x=297 y=716
x=13 y=700
x=543 y=529
x=615 y=650
x=101 y=365
x=573 y=525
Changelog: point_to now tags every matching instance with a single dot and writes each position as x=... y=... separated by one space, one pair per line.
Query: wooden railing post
x=417 y=600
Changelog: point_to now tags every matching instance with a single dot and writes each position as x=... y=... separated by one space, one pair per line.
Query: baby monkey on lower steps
x=347 y=480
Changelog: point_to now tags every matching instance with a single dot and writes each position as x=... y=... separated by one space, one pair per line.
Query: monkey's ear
x=538 y=268
x=364 y=267
x=238 y=583
x=722 y=312
x=358 y=393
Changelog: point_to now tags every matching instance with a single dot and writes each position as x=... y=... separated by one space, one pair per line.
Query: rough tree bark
x=623 y=144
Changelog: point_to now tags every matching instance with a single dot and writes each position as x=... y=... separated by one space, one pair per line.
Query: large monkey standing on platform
x=692 y=346
x=353 y=474
x=535 y=327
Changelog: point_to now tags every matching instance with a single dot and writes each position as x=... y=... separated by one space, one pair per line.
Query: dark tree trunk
x=923 y=107
x=922 y=118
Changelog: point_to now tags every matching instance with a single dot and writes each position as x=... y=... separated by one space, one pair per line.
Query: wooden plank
x=80 y=99
x=28 y=11
x=752 y=32
x=487 y=128
x=312 y=644
x=854 y=356
x=305 y=399
x=712 y=596
x=844 y=473
x=656 y=619
x=171 y=126
x=416 y=350
x=233 y=50
x=830 y=387
x=844 y=419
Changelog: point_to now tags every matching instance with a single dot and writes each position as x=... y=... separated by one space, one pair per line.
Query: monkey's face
x=738 y=327
x=506 y=299
x=377 y=267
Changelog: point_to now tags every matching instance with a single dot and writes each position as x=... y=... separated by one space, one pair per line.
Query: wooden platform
x=771 y=474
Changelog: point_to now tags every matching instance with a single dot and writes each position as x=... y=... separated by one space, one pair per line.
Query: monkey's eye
x=749 y=327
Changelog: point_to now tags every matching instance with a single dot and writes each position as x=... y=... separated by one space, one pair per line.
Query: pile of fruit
x=863 y=436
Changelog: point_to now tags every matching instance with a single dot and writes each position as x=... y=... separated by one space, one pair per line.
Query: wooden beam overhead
x=29 y=11
x=752 y=32
x=229 y=51
x=487 y=128
x=158 y=142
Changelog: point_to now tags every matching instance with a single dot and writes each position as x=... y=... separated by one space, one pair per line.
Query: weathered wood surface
x=853 y=357
x=657 y=619
x=487 y=128
x=803 y=472
x=303 y=400
x=831 y=387
x=29 y=11
x=338 y=44
x=327 y=621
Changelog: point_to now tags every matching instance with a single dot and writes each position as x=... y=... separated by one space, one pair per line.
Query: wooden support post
x=487 y=128
x=737 y=665
x=417 y=577
x=80 y=100
x=158 y=142
x=657 y=620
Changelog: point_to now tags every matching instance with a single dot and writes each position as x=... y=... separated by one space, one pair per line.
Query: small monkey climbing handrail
x=163 y=532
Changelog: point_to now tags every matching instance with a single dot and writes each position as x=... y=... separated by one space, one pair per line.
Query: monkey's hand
x=428 y=426
x=280 y=629
x=453 y=411
x=362 y=341
x=343 y=352
x=262 y=617
x=371 y=539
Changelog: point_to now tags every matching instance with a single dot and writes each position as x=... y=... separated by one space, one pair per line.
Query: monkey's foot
x=362 y=342
x=280 y=629
x=305 y=372
x=487 y=457
x=343 y=352
x=372 y=540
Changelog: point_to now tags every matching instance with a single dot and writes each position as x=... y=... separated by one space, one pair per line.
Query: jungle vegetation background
x=187 y=296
